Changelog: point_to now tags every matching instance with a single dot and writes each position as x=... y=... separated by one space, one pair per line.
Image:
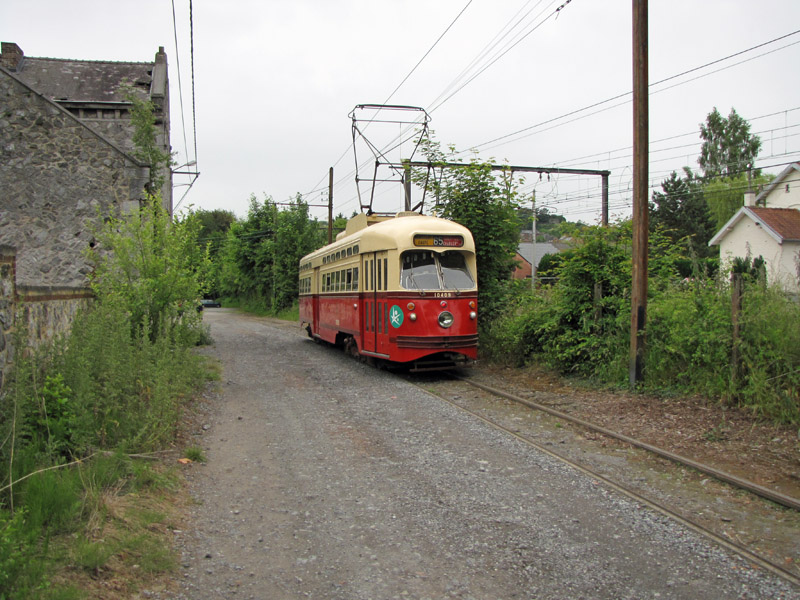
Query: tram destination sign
x=443 y=241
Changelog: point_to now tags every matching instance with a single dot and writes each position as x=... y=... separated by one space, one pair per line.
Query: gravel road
x=330 y=479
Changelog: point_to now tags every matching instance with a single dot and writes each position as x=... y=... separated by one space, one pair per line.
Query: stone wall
x=7 y=294
x=59 y=178
x=41 y=314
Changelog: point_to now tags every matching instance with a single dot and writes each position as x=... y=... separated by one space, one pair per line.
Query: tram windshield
x=425 y=270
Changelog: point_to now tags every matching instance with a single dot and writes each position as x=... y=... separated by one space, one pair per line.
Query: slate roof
x=782 y=224
x=524 y=249
x=85 y=81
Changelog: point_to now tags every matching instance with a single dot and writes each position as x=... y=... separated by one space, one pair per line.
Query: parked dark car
x=209 y=303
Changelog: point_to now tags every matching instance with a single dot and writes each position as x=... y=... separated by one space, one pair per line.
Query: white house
x=768 y=226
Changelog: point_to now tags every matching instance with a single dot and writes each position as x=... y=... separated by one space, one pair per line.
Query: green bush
x=689 y=339
x=769 y=348
x=580 y=325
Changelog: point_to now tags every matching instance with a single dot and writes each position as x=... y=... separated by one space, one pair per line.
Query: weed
x=149 y=553
x=194 y=454
x=93 y=556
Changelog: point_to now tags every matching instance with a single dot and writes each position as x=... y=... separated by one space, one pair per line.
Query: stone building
x=66 y=160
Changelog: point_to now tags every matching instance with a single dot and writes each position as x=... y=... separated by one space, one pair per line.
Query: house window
x=787 y=188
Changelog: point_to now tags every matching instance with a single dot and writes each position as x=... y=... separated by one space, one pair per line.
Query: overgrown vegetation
x=486 y=204
x=258 y=261
x=73 y=413
x=580 y=326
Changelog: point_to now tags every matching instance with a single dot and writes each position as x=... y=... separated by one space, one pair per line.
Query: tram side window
x=379 y=275
x=355 y=279
x=385 y=273
x=349 y=277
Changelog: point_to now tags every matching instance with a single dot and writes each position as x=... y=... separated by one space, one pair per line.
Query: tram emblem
x=396 y=316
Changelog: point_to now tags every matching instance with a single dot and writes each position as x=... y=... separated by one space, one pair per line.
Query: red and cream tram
x=401 y=289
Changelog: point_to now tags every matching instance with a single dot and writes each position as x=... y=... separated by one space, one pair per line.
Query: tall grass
x=72 y=410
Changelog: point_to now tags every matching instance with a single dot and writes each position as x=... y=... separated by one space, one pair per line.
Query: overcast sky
x=275 y=81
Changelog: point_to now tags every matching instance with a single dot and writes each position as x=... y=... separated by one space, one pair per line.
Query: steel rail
x=745 y=484
x=738 y=549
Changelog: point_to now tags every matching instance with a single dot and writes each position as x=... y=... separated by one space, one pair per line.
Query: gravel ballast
x=327 y=478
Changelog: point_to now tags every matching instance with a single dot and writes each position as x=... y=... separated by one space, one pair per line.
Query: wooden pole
x=640 y=189
x=330 y=206
x=533 y=243
x=407 y=183
x=736 y=311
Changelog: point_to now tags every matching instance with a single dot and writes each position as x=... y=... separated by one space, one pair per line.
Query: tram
x=399 y=290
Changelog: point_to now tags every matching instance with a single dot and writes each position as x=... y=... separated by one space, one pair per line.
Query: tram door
x=315 y=302
x=375 y=321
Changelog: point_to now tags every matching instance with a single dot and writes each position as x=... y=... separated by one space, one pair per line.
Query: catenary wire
x=623 y=95
x=180 y=87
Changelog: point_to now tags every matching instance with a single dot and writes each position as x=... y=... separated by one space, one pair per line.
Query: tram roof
x=395 y=232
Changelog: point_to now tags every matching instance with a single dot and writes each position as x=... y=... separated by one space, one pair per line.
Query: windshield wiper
x=414 y=282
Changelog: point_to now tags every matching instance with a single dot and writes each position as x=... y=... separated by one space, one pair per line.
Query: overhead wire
x=180 y=87
x=515 y=41
x=625 y=94
x=196 y=173
x=503 y=52
x=419 y=62
x=504 y=31
x=660 y=82
x=191 y=49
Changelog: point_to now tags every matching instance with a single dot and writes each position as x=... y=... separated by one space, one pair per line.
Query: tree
x=681 y=211
x=213 y=231
x=546 y=222
x=728 y=147
x=214 y=223
x=486 y=204
x=146 y=148
x=259 y=263
x=149 y=264
x=725 y=196
x=296 y=235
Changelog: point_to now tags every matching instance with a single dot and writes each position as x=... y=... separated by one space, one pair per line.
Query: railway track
x=675 y=490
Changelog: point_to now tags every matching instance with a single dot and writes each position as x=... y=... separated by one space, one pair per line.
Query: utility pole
x=640 y=188
x=407 y=182
x=330 y=206
x=533 y=245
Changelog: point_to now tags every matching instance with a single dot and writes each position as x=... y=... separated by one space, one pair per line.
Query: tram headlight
x=473 y=315
x=412 y=316
x=445 y=319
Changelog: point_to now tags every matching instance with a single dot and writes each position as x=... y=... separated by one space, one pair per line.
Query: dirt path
x=329 y=479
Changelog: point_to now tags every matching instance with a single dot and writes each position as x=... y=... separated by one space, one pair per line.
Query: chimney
x=10 y=56
x=749 y=198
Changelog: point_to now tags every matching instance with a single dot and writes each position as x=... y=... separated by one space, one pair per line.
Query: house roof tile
x=783 y=221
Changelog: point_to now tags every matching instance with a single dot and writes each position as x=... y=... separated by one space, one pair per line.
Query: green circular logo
x=396 y=316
